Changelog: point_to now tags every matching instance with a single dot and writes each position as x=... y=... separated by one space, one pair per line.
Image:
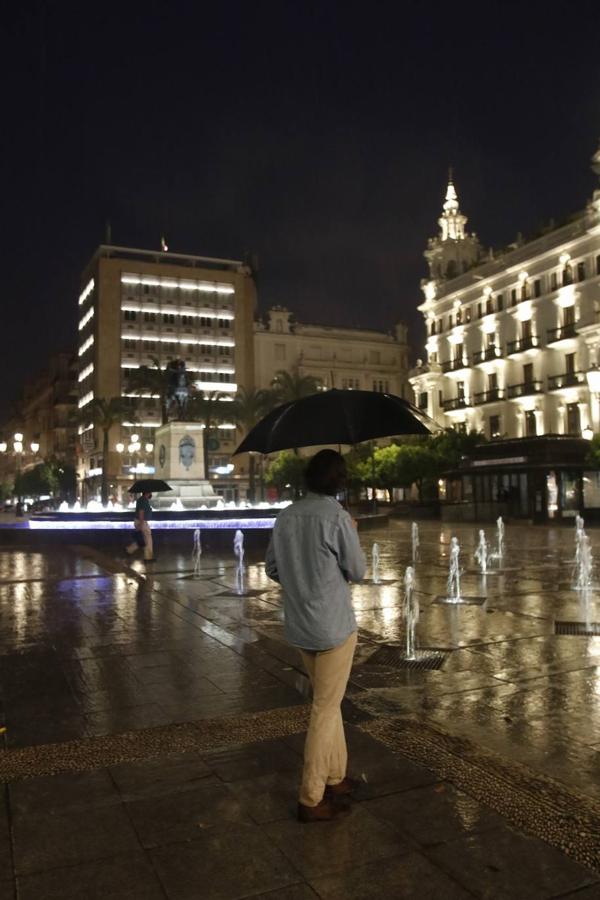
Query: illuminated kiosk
x=179 y=460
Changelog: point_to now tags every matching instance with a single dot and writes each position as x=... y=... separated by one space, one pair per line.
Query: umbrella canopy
x=335 y=417
x=149 y=486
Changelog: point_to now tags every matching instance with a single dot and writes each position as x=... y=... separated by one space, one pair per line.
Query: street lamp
x=149 y=448
x=120 y=447
x=3 y=446
x=34 y=446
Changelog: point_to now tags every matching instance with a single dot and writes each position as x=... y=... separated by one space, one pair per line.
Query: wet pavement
x=178 y=711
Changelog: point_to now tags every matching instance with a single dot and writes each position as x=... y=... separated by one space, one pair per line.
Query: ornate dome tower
x=453 y=251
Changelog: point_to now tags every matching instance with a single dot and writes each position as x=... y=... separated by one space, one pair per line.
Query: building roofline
x=164 y=256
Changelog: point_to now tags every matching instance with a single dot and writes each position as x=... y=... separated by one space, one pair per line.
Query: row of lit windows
x=130 y=315
x=151 y=346
x=528 y=290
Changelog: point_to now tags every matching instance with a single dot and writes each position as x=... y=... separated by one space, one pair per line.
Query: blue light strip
x=157 y=525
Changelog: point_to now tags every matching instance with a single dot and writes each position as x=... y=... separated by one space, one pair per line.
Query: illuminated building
x=139 y=305
x=347 y=358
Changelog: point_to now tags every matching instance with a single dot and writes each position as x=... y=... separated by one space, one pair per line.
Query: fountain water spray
x=376 y=563
x=414 y=533
x=197 y=551
x=583 y=563
x=481 y=553
x=453 y=584
x=500 y=539
x=238 y=549
x=411 y=612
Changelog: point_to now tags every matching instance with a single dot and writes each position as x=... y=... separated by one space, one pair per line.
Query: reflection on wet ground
x=84 y=653
x=92 y=647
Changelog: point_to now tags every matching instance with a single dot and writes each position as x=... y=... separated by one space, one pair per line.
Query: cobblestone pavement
x=154 y=728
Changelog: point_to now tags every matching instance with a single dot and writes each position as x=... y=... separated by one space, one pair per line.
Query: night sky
x=314 y=135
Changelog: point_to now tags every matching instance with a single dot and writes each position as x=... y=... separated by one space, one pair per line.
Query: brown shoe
x=345 y=786
x=322 y=812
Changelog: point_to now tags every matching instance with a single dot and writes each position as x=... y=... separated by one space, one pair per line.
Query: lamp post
x=593 y=380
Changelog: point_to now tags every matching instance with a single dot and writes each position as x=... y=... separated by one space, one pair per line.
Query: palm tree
x=208 y=409
x=105 y=413
x=155 y=380
x=290 y=386
x=248 y=408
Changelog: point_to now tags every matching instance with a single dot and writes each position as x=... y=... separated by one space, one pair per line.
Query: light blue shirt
x=314 y=553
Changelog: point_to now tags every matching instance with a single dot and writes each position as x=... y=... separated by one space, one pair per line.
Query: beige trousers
x=148 y=547
x=325 y=753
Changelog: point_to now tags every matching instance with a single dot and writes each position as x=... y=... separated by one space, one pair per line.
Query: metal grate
x=584 y=629
x=464 y=601
x=393 y=656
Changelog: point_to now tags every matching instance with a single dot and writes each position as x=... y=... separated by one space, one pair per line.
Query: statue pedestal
x=179 y=460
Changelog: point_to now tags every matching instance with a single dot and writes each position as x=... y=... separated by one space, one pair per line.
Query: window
x=440 y=326
x=573 y=425
x=581 y=271
x=150 y=346
x=479 y=310
x=553 y=281
x=130 y=344
x=530 y=424
x=528 y=373
x=567 y=274
x=489 y=305
x=168 y=318
x=432 y=357
x=500 y=302
x=432 y=328
x=513 y=297
x=149 y=317
x=423 y=399
x=570 y=363
x=350 y=384
x=495 y=427
x=525 y=291
x=129 y=315
x=598 y=265
x=225 y=351
x=441 y=398
x=458 y=316
x=450 y=321
x=205 y=322
x=568 y=316
x=526 y=330
x=492 y=382
x=458 y=353
x=224 y=323
x=537 y=288
x=187 y=320
x=280 y=352
x=461 y=427
x=460 y=390
x=380 y=385
x=468 y=314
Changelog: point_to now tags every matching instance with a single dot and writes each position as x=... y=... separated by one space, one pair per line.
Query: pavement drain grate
x=394 y=656
x=585 y=629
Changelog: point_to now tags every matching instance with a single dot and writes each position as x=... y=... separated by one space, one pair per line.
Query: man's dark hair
x=326 y=473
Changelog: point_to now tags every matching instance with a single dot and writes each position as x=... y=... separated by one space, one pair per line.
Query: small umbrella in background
x=335 y=417
x=149 y=486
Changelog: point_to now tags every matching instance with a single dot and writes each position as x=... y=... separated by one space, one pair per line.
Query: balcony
x=455 y=365
x=486 y=355
x=491 y=396
x=522 y=344
x=566 y=379
x=455 y=403
x=524 y=390
x=562 y=332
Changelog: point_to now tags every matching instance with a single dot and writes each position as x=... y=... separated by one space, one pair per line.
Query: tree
x=290 y=386
x=208 y=409
x=155 y=380
x=287 y=471
x=248 y=408
x=450 y=446
x=593 y=455
x=105 y=413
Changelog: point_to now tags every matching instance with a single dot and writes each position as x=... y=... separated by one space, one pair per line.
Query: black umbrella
x=335 y=417
x=149 y=486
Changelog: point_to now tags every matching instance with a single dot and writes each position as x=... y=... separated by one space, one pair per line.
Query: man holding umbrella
x=314 y=553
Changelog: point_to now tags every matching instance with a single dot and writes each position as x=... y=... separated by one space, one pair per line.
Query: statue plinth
x=179 y=460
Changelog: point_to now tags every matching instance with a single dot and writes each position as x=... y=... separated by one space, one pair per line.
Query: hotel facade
x=513 y=341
